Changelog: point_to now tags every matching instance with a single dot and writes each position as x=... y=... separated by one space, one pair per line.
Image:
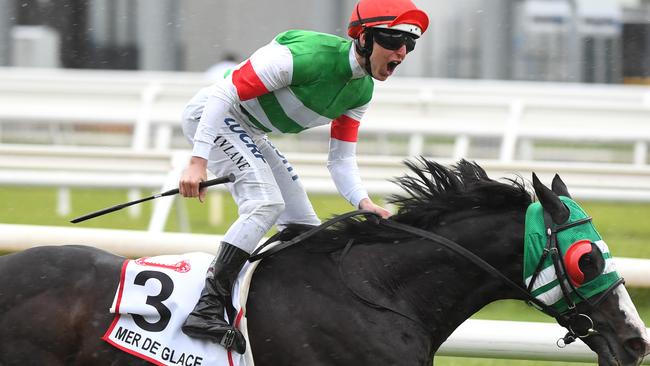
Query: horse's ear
x=550 y=201
x=559 y=187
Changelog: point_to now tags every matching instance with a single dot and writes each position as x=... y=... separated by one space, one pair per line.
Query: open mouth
x=392 y=65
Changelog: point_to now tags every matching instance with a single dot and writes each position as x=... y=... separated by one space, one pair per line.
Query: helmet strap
x=366 y=50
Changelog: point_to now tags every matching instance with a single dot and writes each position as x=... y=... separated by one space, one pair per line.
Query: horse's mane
x=432 y=192
x=436 y=190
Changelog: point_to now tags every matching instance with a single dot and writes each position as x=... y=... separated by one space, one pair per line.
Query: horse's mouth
x=638 y=347
x=631 y=354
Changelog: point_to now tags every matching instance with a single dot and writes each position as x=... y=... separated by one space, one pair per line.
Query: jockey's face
x=384 y=61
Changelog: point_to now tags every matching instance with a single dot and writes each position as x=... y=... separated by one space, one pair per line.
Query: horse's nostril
x=637 y=346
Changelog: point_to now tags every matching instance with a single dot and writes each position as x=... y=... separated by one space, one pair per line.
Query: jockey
x=302 y=79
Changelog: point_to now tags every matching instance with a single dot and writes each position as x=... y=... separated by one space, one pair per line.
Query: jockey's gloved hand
x=368 y=205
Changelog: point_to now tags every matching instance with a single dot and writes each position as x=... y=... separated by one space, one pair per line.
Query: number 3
x=166 y=288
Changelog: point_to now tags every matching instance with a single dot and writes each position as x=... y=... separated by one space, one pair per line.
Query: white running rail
x=66 y=167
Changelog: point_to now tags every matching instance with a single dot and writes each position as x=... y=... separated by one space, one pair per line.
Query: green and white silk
x=546 y=287
x=311 y=78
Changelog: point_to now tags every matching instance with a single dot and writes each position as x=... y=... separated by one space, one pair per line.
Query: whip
x=220 y=180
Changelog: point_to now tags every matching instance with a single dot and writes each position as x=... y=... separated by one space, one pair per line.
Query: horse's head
x=590 y=299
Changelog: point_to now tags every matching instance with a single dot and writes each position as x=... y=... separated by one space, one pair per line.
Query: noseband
x=579 y=325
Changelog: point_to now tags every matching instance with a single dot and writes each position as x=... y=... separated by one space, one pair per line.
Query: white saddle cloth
x=154 y=297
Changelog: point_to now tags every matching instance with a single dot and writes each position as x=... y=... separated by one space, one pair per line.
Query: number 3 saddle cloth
x=153 y=298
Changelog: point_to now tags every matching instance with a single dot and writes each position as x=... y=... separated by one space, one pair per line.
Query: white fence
x=518 y=116
x=474 y=338
x=513 y=120
x=515 y=113
x=65 y=166
x=452 y=119
x=149 y=104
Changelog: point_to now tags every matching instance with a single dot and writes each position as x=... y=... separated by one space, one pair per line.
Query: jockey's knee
x=272 y=210
x=264 y=212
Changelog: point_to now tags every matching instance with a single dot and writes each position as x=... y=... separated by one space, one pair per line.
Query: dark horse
x=387 y=297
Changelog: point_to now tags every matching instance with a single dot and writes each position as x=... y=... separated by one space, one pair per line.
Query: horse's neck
x=456 y=287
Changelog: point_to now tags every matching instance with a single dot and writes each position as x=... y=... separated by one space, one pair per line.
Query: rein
x=578 y=324
x=260 y=253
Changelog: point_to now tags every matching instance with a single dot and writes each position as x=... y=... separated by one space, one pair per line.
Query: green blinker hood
x=546 y=287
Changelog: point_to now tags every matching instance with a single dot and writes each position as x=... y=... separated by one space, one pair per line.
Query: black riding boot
x=207 y=319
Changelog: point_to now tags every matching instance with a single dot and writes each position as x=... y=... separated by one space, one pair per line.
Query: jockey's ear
x=559 y=187
x=550 y=201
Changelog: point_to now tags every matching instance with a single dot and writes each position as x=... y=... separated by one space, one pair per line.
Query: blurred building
x=603 y=41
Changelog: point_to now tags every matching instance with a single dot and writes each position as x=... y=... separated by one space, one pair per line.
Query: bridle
x=578 y=324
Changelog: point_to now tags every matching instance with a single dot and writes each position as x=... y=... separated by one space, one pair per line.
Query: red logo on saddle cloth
x=180 y=267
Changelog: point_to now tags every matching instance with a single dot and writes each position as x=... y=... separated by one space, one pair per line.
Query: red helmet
x=400 y=15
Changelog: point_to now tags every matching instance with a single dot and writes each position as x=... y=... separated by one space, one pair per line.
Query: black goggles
x=394 y=39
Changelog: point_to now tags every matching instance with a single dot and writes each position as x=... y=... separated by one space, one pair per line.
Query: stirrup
x=228 y=339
